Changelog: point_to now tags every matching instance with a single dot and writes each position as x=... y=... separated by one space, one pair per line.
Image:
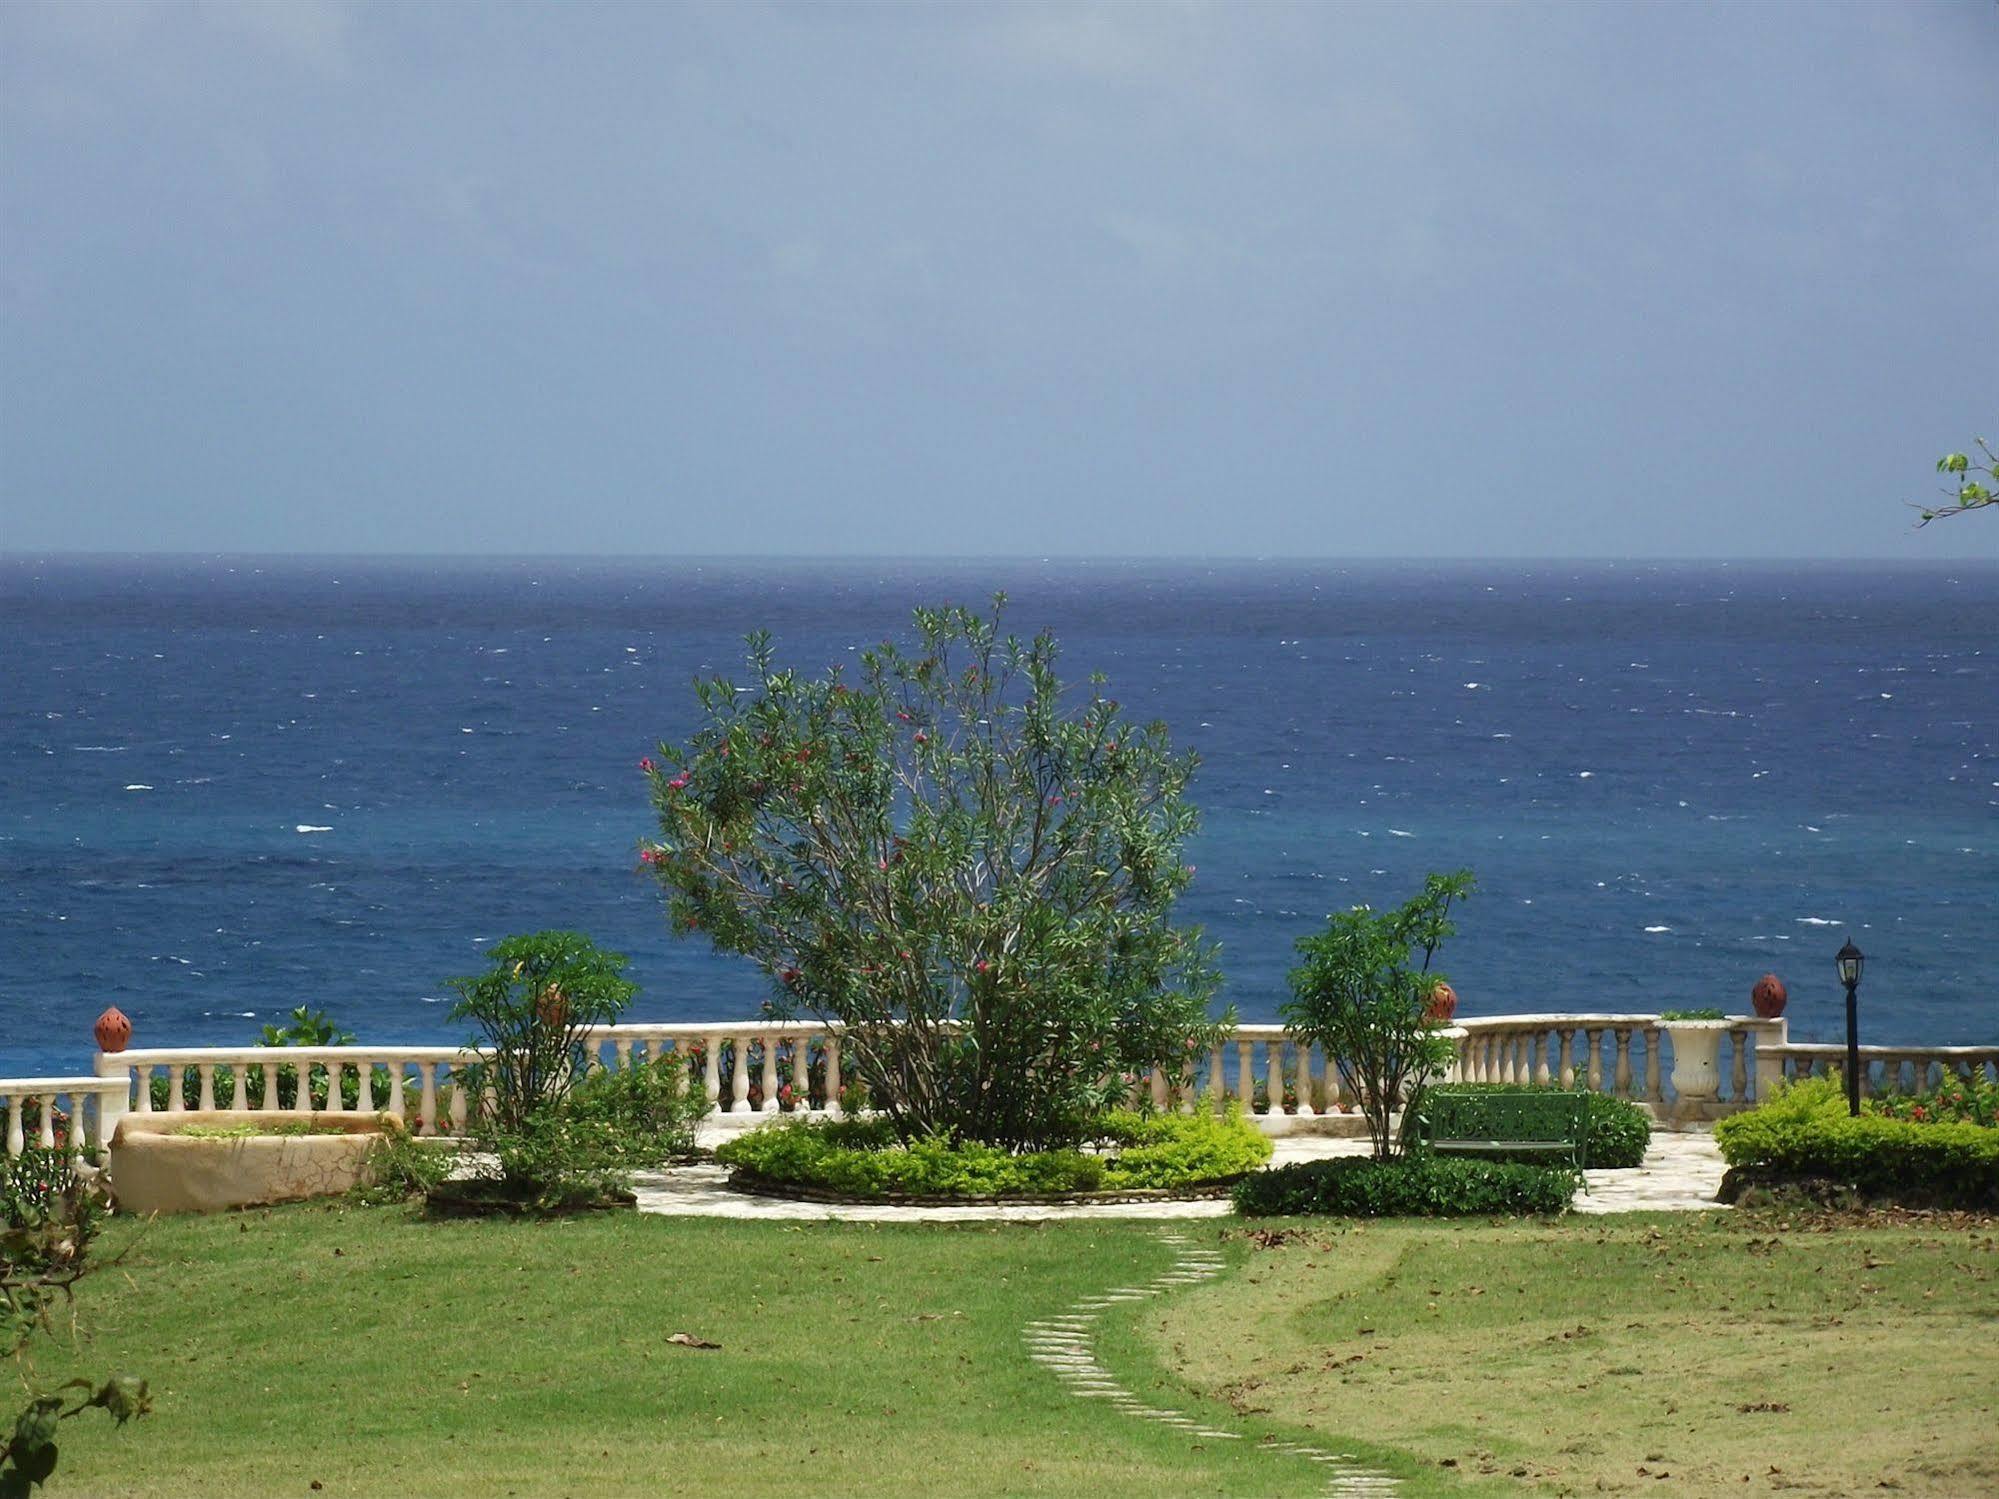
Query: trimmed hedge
x=1415 y=1186
x=1619 y=1131
x=1805 y=1134
x=863 y=1158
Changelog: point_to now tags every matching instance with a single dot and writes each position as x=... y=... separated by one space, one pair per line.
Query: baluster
x=15 y=1141
x=364 y=1098
x=1595 y=1060
x=832 y=1050
x=1623 y=1075
x=1245 y=1077
x=1565 y=1049
x=1215 y=1088
x=460 y=1104
x=177 y=1090
x=270 y=1085
x=334 y=1084
x=143 y=1094
x=1303 y=1048
x=739 y=1100
x=395 y=1104
x=711 y=1065
x=1738 y=1072
x=207 y=1073
x=1158 y=1081
x=45 y=1131
x=426 y=1103
x=623 y=1047
x=1539 y=1042
x=770 y=1075
x=801 y=1074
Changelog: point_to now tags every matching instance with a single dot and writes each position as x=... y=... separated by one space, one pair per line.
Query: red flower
x=921 y=737
x=902 y=715
x=982 y=965
x=1055 y=801
x=678 y=783
x=646 y=765
x=788 y=975
x=648 y=855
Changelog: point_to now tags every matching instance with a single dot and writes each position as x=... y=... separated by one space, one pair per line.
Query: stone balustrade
x=1682 y=1072
x=1885 y=1070
x=79 y=1110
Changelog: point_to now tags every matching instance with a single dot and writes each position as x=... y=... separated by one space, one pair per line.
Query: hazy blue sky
x=1180 y=278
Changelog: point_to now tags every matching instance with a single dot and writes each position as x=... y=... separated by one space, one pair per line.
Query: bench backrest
x=1464 y=1114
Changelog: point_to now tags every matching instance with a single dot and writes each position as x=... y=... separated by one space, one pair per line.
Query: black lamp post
x=1850 y=961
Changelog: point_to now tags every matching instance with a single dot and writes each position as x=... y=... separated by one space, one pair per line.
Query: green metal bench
x=1551 y=1125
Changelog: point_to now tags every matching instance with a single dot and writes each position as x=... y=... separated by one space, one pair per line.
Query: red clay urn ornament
x=1769 y=996
x=113 y=1030
x=1443 y=1004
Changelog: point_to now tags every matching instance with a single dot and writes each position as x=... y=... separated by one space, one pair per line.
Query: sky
x=1166 y=279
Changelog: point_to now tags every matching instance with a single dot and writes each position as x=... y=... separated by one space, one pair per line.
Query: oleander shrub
x=1410 y=1186
x=1619 y=1131
x=865 y=1157
x=969 y=866
x=1805 y=1135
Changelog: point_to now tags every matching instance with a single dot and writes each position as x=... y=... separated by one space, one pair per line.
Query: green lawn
x=1718 y=1353
x=374 y=1354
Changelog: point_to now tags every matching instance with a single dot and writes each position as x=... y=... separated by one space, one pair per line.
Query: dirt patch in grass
x=1800 y=1353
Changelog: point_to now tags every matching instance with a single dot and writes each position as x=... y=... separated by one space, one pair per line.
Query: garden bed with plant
x=1937 y=1149
x=1124 y=1157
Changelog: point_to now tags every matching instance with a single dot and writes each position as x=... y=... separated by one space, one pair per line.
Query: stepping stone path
x=1062 y=1345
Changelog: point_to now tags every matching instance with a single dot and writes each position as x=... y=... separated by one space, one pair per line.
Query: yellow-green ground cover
x=1704 y=1354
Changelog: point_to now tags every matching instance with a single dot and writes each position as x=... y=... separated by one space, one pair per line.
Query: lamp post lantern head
x=1850 y=960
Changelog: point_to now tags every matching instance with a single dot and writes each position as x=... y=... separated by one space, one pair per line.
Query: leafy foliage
x=1959 y=1100
x=864 y=1157
x=1419 y=1185
x=1619 y=1131
x=305 y=1026
x=50 y=1218
x=647 y=1110
x=1973 y=485
x=972 y=876
x=1805 y=1133
x=1364 y=996
x=1707 y=1013
x=532 y=1008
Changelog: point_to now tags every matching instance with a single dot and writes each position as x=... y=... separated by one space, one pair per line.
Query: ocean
x=233 y=785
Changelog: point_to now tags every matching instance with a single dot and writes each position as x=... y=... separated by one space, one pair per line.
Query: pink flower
x=902 y=715
x=678 y=783
x=1055 y=801
x=982 y=965
x=648 y=855
x=921 y=737
x=882 y=865
x=646 y=765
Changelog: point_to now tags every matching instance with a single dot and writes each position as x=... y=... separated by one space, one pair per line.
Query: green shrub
x=1619 y=1131
x=1957 y=1100
x=645 y=1112
x=1416 y=1186
x=1805 y=1133
x=863 y=1157
x=401 y=1167
x=1709 y=1013
x=1171 y=1150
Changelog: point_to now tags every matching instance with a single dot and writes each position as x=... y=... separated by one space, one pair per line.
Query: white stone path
x=1681 y=1173
x=1062 y=1344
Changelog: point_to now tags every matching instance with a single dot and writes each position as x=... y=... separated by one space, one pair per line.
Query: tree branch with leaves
x=1973 y=485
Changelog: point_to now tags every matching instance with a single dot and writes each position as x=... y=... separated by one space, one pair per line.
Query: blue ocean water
x=233 y=785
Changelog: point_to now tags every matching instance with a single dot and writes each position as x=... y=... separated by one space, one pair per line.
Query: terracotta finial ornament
x=1769 y=996
x=113 y=1030
x=1443 y=1005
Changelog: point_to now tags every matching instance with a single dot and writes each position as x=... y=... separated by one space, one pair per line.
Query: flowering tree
x=970 y=874
x=1364 y=994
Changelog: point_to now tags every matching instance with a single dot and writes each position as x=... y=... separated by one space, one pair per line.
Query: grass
x=1738 y=1353
x=368 y=1352
x=343 y=1351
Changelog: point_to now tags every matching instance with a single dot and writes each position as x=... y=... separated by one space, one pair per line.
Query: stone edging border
x=750 y=1184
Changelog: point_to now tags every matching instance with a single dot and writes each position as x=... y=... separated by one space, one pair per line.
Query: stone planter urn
x=210 y=1160
x=1696 y=1064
